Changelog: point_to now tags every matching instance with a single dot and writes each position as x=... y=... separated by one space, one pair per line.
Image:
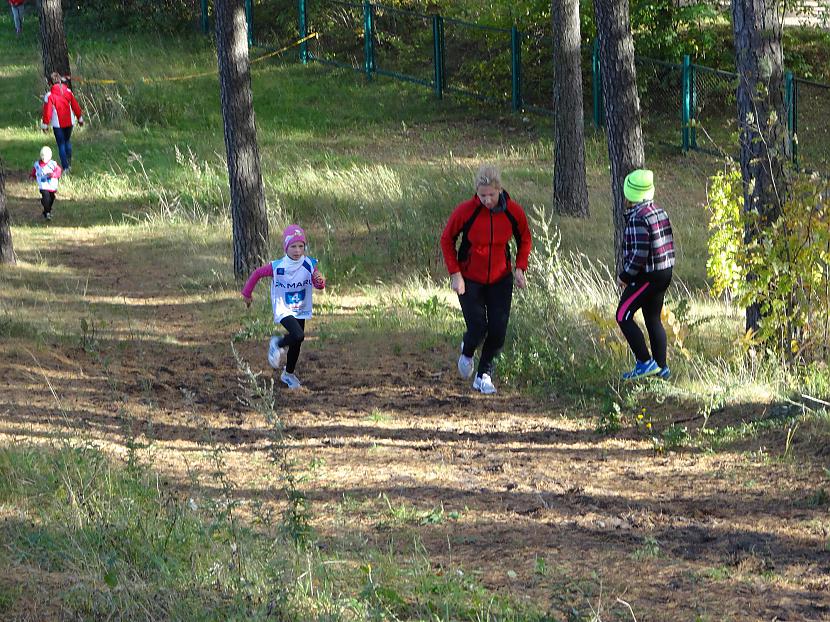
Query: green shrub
x=785 y=269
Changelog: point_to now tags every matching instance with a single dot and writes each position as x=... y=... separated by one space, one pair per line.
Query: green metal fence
x=685 y=104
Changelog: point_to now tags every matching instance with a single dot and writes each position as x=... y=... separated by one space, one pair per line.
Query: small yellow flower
x=640 y=416
x=648 y=425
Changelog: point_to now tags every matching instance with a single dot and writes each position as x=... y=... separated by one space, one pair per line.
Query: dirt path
x=519 y=492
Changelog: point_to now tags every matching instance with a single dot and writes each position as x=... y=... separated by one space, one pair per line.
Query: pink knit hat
x=292 y=233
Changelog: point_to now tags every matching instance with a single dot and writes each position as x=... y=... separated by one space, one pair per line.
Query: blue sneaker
x=664 y=373
x=642 y=369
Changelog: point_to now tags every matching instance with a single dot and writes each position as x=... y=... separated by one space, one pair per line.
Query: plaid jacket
x=648 y=244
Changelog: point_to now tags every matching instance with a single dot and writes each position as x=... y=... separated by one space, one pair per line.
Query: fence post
x=516 y=66
x=368 y=40
x=205 y=22
x=303 y=29
x=790 y=90
x=685 y=102
x=438 y=54
x=596 y=86
x=693 y=106
x=249 y=14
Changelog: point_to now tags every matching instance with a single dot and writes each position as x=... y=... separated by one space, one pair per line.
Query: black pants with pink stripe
x=646 y=293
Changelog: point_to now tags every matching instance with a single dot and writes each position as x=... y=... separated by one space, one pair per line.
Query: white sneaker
x=275 y=353
x=484 y=384
x=290 y=380
x=465 y=364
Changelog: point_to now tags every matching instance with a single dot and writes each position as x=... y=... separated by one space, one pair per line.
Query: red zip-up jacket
x=60 y=108
x=489 y=235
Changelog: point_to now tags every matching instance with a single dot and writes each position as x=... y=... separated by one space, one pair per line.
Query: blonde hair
x=488 y=175
x=55 y=77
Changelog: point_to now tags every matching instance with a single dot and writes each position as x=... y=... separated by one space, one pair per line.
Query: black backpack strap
x=464 y=248
x=514 y=224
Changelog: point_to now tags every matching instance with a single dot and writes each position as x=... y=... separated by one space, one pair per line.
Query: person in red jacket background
x=17 y=15
x=61 y=111
x=481 y=270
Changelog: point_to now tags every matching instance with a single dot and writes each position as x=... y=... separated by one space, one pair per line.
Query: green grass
x=136 y=550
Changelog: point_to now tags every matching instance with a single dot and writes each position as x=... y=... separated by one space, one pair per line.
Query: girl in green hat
x=648 y=258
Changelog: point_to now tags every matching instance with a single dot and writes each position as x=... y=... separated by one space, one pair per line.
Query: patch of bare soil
x=508 y=488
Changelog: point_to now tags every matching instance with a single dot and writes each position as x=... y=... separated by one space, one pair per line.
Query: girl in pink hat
x=293 y=280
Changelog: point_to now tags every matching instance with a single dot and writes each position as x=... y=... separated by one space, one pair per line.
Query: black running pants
x=293 y=340
x=486 y=310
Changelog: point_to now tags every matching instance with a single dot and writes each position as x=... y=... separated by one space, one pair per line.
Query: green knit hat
x=639 y=186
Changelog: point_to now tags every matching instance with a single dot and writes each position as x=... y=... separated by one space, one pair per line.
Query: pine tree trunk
x=570 y=189
x=52 y=39
x=622 y=105
x=6 y=247
x=762 y=114
x=248 y=211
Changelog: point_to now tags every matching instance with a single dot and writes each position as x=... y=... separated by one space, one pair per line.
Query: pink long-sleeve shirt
x=268 y=270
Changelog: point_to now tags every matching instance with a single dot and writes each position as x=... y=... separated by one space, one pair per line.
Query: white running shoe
x=484 y=384
x=275 y=353
x=290 y=380
x=465 y=364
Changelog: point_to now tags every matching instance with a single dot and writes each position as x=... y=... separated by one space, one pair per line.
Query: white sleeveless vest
x=291 y=287
x=42 y=171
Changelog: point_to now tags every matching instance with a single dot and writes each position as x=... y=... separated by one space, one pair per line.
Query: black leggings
x=293 y=340
x=646 y=293
x=47 y=198
x=486 y=310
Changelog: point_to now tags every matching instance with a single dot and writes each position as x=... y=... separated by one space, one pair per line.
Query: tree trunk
x=762 y=114
x=570 y=189
x=52 y=39
x=248 y=210
x=622 y=105
x=6 y=247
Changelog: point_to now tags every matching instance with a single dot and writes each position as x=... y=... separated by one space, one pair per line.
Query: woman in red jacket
x=481 y=270
x=61 y=111
x=17 y=15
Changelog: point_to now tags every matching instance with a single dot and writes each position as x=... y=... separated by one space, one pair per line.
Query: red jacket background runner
x=60 y=108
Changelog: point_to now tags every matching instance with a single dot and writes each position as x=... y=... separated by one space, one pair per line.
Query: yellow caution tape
x=203 y=74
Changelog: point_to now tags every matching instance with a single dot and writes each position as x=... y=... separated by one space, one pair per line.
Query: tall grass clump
x=372 y=217
x=126 y=546
x=563 y=323
x=258 y=394
x=136 y=81
x=86 y=538
x=195 y=190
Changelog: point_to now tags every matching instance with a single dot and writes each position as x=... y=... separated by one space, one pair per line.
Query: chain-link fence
x=659 y=88
x=477 y=60
x=404 y=44
x=684 y=104
x=273 y=23
x=341 y=27
x=811 y=123
x=537 y=73
x=714 y=105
